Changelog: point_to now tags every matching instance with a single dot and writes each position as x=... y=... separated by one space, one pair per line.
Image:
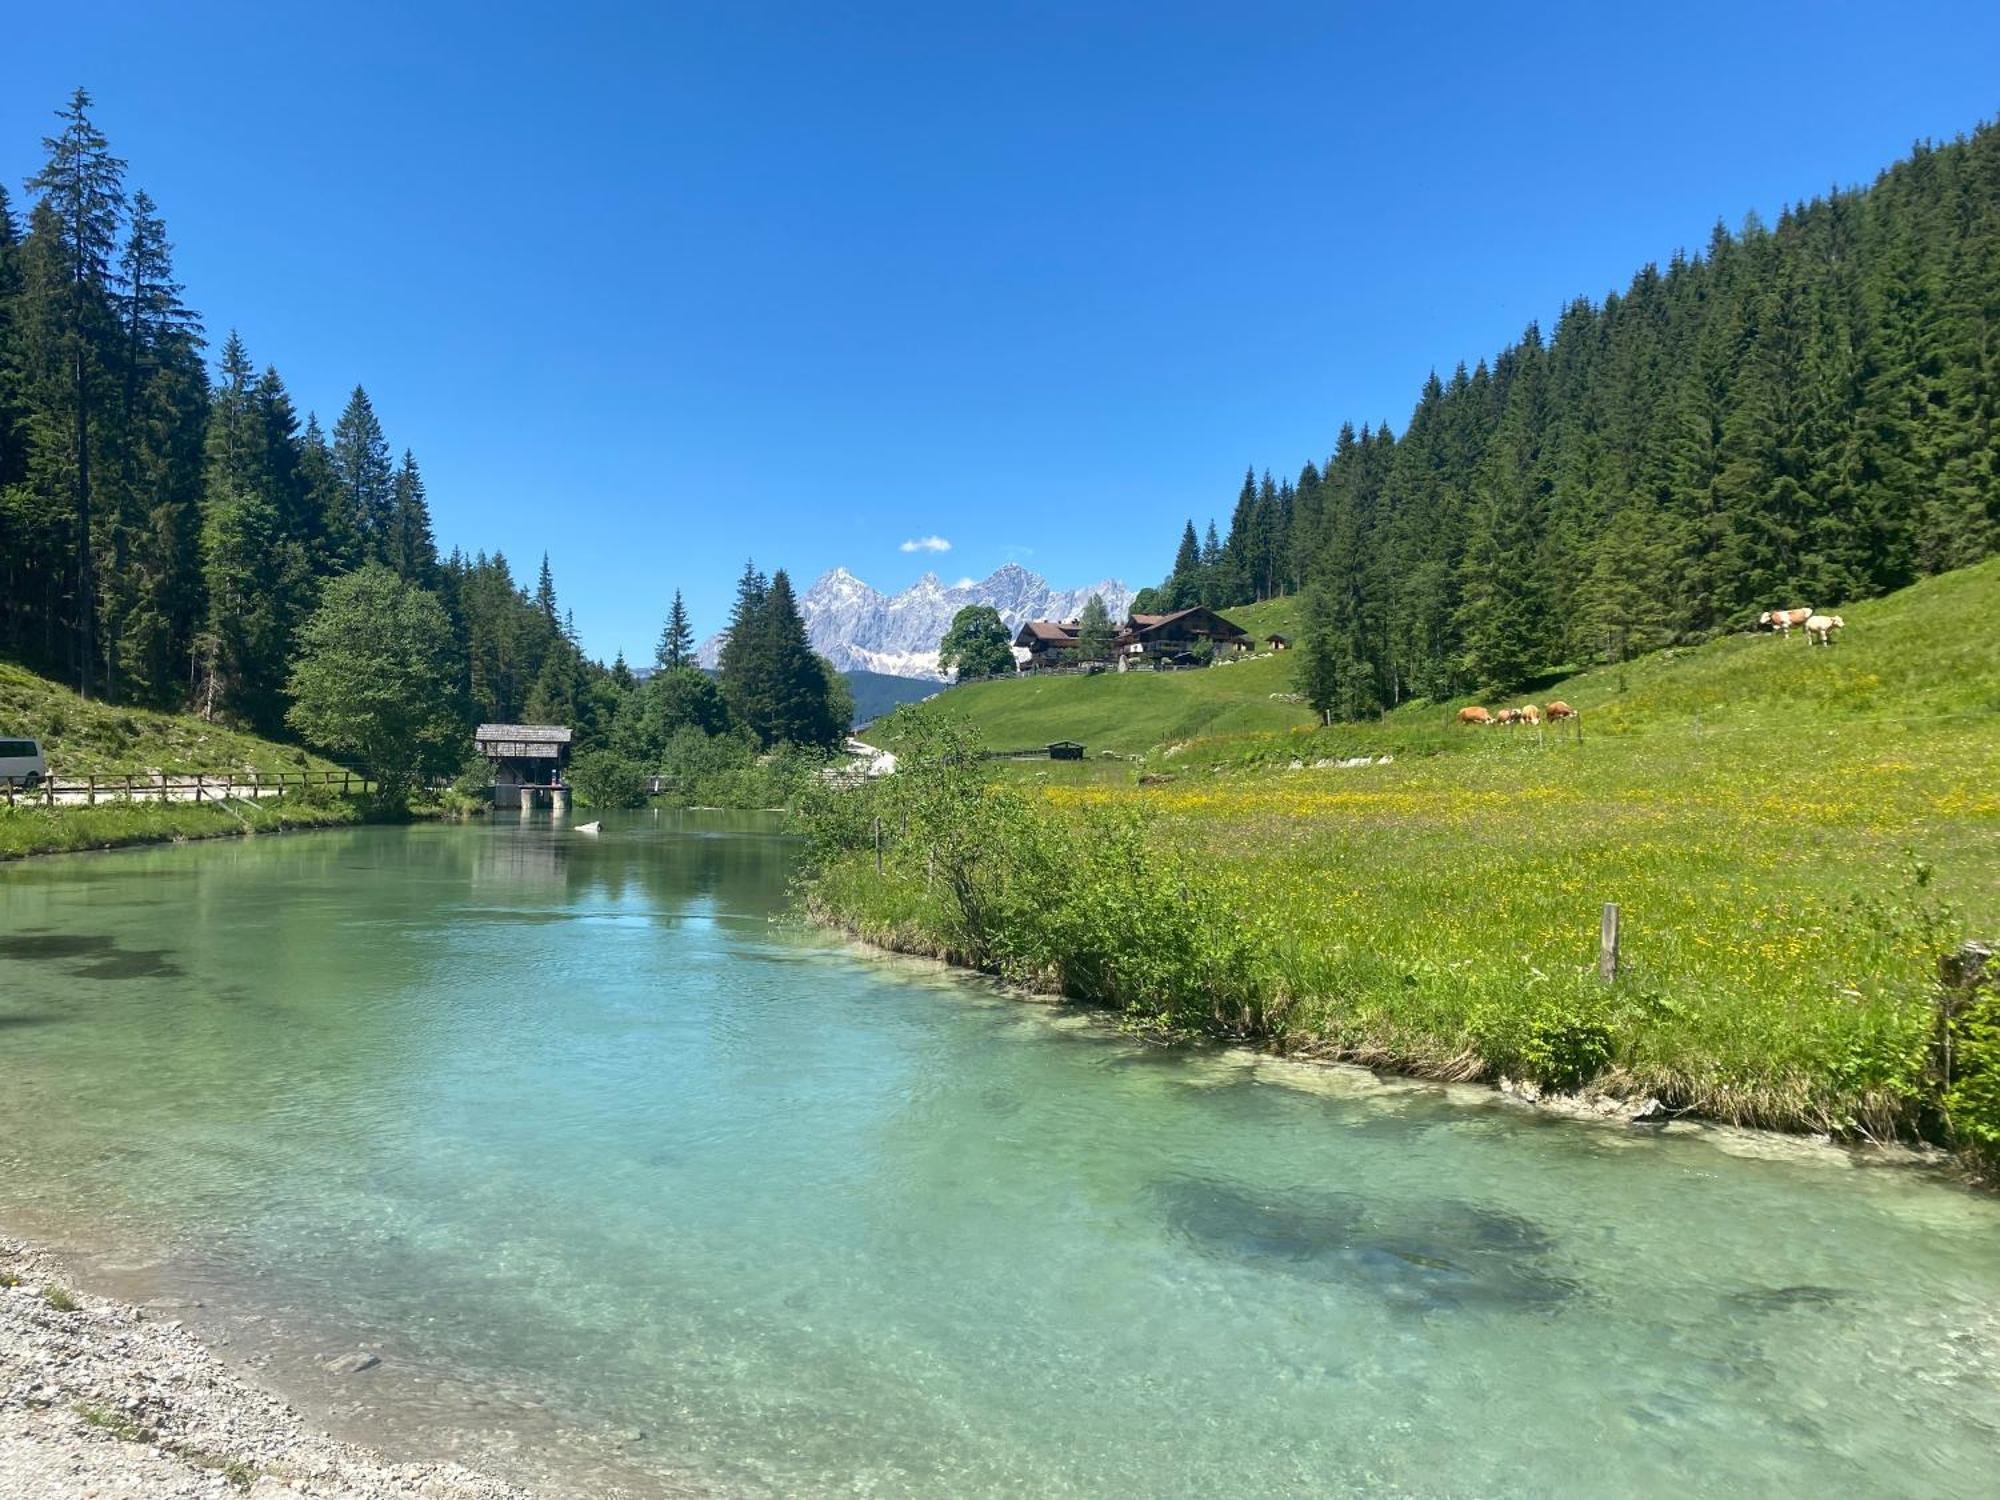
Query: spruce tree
x=413 y=549
x=82 y=197
x=676 y=647
x=367 y=482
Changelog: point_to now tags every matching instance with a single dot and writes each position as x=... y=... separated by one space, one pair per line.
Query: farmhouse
x=1175 y=637
x=523 y=755
x=1170 y=638
x=1048 y=643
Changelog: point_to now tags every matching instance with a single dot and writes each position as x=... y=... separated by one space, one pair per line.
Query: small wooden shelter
x=1065 y=750
x=523 y=755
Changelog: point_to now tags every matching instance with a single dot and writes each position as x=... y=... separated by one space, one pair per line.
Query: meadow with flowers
x=1793 y=835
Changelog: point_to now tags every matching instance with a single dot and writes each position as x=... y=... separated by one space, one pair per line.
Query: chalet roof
x=1139 y=625
x=524 y=734
x=1052 y=632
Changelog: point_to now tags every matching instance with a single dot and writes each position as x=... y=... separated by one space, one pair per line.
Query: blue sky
x=657 y=287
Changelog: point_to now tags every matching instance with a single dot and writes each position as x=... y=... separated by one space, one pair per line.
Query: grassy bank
x=82 y=738
x=1793 y=835
x=57 y=830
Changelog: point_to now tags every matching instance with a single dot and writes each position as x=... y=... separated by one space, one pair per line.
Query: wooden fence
x=199 y=786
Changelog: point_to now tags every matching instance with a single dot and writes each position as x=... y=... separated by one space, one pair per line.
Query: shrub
x=605 y=779
x=1972 y=1100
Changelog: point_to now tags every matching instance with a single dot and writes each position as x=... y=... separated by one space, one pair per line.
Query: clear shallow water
x=553 y=1119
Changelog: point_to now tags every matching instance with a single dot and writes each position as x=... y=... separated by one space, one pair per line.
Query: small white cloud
x=965 y=583
x=926 y=544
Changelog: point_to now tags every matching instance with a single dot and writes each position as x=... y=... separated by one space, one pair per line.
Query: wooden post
x=90 y=794
x=197 y=786
x=1607 y=943
x=878 y=847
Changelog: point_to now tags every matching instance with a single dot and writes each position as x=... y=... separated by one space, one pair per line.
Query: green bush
x=1972 y=1100
x=1568 y=1043
x=605 y=779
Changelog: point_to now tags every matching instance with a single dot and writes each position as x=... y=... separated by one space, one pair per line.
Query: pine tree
x=1183 y=586
x=800 y=703
x=367 y=483
x=676 y=647
x=82 y=196
x=545 y=591
x=413 y=550
x=241 y=665
x=744 y=665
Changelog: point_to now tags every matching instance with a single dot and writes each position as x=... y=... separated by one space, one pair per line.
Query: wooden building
x=1281 y=643
x=530 y=755
x=1065 y=750
x=1173 y=638
x=1048 y=643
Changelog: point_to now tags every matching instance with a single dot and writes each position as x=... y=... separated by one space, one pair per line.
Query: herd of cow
x=1819 y=628
x=1510 y=716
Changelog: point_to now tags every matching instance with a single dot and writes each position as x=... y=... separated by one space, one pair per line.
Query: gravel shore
x=105 y=1399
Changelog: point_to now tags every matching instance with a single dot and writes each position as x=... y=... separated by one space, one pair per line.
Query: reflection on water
x=577 y=1137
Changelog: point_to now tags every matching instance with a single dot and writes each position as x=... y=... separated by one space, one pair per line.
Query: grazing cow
x=1820 y=628
x=1508 y=716
x=1559 y=710
x=1474 y=716
x=1782 y=620
x=1531 y=715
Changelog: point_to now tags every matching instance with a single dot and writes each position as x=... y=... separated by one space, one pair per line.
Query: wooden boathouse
x=528 y=761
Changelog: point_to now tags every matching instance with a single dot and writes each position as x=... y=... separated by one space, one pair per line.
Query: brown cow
x=1783 y=620
x=1474 y=716
x=1531 y=715
x=1508 y=716
x=1559 y=710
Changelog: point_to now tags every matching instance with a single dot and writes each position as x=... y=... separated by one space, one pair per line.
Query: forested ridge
x=167 y=533
x=1801 y=414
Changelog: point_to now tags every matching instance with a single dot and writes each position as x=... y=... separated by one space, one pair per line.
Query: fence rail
x=197 y=786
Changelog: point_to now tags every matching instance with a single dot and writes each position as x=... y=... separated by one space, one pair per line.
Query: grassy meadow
x=1793 y=835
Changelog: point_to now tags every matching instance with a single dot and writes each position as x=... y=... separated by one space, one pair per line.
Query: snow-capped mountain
x=857 y=627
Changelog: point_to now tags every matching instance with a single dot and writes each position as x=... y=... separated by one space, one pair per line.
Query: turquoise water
x=583 y=1142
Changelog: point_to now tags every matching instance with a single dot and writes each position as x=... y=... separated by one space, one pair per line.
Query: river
x=628 y=1179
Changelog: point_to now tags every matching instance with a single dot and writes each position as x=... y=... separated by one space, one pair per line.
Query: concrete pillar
x=558 y=801
x=527 y=801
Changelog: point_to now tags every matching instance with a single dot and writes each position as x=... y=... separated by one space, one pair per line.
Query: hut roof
x=532 y=734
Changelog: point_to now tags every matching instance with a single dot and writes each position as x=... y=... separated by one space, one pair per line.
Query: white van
x=21 y=763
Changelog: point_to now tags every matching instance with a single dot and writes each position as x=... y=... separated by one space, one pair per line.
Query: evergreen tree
x=545 y=591
x=82 y=197
x=676 y=648
x=744 y=665
x=240 y=654
x=1183 y=586
x=367 y=482
x=413 y=550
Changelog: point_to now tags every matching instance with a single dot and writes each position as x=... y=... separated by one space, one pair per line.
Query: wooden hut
x=1281 y=643
x=532 y=755
x=1065 y=750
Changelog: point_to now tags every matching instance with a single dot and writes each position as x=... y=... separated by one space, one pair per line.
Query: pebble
x=175 y=1404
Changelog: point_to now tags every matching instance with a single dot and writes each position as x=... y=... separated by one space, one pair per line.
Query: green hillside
x=1926 y=651
x=83 y=738
x=94 y=739
x=1130 y=712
